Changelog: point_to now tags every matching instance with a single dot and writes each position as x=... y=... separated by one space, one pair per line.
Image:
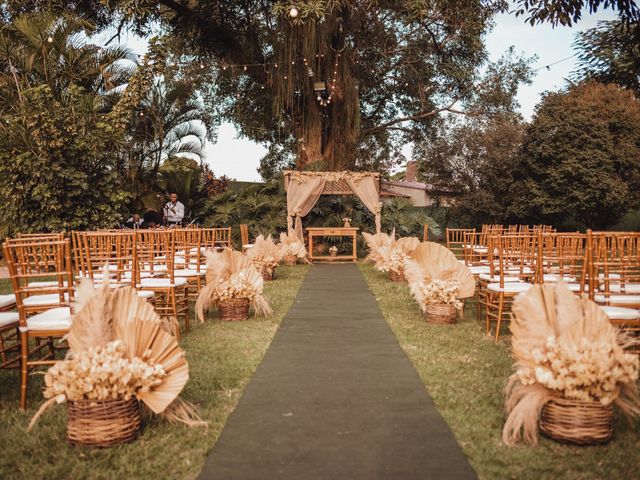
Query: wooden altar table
x=333 y=232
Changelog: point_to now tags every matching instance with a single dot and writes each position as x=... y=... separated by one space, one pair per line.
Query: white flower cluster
x=333 y=249
x=395 y=262
x=442 y=291
x=237 y=287
x=101 y=373
x=587 y=371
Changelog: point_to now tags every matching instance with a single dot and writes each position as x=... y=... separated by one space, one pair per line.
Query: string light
x=50 y=39
x=293 y=12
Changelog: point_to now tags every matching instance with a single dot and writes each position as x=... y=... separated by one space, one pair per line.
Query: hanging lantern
x=319 y=86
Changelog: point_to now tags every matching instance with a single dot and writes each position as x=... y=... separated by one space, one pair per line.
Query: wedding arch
x=304 y=189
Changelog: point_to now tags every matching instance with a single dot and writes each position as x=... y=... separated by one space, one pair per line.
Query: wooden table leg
x=355 y=253
x=311 y=246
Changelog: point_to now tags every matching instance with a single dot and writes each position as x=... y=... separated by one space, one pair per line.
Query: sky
x=238 y=158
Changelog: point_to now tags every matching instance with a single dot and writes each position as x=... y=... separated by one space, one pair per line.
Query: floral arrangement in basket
x=375 y=241
x=388 y=254
x=436 y=277
x=565 y=350
x=333 y=251
x=442 y=292
x=265 y=254
x=231 y=275
x=119 y=350
x=291 y=246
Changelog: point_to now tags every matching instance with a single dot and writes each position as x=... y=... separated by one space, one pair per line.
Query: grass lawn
x=222 y=357
x=465 y=374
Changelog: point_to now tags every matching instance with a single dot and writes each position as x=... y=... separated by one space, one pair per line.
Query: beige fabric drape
x=365 y=189
x=302 y=195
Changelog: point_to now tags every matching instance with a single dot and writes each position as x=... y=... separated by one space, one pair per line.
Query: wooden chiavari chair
x=244 y=237
x=217 y=238
x=44 y=311
x=561 y=256
x=456 y=240
x=155 y=271
x=512 y=268
x=189 y=258
x=614 y=277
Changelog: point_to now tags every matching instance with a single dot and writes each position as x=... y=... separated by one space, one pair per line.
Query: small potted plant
x=333 y=251
x=347 y=222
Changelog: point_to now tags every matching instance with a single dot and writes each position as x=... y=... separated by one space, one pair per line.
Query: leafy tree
x=475 y=159
x=568 y=12
x=398 y=66
x=170 y=121
x=610 y=53
x=60 y=122
x=581 y=158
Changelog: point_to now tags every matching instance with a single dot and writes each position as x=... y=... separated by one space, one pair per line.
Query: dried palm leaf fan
x=438 y=281
x=570 y=367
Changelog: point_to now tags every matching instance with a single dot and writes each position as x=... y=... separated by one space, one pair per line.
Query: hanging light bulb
x=293 y=11
x=50 y=39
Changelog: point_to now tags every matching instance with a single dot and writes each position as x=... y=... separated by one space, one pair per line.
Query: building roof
x=416 y=186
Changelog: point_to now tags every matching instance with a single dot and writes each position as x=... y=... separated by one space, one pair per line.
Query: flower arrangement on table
x=333 y=251
x=265 y=255
x=570 y=365
x=347 y=222
x=438 y=282
x=233 y=284
x=291 y=248
x=120 y=353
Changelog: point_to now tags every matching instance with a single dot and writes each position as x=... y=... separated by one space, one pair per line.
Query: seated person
x=134 y=222
x=151 y=219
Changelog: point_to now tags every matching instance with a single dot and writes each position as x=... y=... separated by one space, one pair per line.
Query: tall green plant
x=58 y=131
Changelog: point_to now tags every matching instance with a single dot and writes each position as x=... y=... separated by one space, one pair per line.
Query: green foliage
x=581 y=158
x=475 y=159
x=568 y=12
x=610 y=53
x=184 y=176
x=58 y=132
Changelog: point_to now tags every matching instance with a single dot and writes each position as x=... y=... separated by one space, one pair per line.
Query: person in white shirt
x=173 y=210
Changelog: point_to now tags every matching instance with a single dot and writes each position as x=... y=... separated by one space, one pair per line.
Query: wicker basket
x=575 y=421
x=102 y=423
x=234 y=310
x=441 y=313
x=290 y=260
x=396 y=276
x=268 y=274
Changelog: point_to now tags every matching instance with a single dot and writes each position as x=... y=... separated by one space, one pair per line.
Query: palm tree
x=170 y=123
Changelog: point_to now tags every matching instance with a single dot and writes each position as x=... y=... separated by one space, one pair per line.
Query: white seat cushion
x=49 y=299
x=509 y=287
x=8 y=318
x=496 y=278
x=626 y=288
x=621 y=313
x=516 y=270
x=480 y=249
x=478 y=269
x=575 y=287
x=146 y=294
x=552 y=278
x=247 y=246
x=53 y=319
x=52 y=283
x=162 y=282
x=7 y=300
x=188 y=272
x=618 y=299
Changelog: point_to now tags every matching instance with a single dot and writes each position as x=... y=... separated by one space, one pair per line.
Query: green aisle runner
x=335 y=398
